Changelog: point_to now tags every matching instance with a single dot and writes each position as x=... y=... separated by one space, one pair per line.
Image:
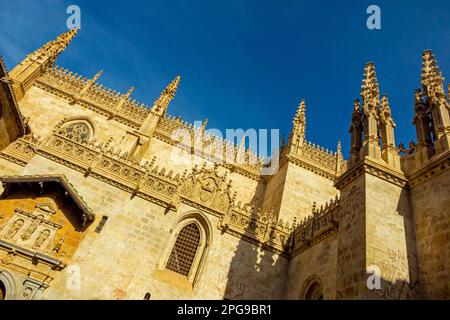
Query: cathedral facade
x=100 y=200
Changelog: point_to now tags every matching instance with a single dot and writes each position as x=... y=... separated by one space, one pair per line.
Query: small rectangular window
x=101 y=224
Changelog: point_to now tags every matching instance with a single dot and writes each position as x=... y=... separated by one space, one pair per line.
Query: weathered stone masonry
x=95 y=206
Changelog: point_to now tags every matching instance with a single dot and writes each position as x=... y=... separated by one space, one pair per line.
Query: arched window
x=78 y=131
x=2 y=291
x=312 y=289
x=314 y=292
x=184 y=250
x=185 y=253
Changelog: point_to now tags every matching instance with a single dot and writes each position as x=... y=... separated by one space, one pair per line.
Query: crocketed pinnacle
x=162 y=103
x=300 y=115
x=54 y=48
x=385 y=111
x=432 y=79
x=370 y=91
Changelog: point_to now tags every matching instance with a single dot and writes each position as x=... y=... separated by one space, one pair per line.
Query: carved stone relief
x=32 y=230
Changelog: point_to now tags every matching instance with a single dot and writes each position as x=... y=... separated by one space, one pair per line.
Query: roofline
x=60 y=178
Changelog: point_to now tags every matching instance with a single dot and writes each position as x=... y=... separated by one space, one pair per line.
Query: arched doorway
x=312 y=289
x=2 y=291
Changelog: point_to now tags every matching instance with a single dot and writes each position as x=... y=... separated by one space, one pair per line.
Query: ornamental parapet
x=322 y=223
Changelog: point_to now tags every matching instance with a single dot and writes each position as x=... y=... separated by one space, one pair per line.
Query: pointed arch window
x=184 y=250
x=313 y=289
x=184 y=255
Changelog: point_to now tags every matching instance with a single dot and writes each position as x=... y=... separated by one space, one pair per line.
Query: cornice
x=434 y=167
x=374 y=168
x=306 y=164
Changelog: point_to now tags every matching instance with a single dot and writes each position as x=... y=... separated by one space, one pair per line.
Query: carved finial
x=55 y=47
x=300 y=115
x=204 y=124
x=35 y=64
x=97 y=75
x=128 y=94
x=432 y=79
x=162 y=103
x=298 y=131
x=385 y=111
x=370 y=91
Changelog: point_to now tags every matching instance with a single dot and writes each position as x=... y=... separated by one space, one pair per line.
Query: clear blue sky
x=245 y=63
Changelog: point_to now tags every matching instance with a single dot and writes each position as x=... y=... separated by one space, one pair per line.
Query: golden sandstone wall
x=316 y=263
x=303 y=188
x=318 y=228
x=431 y=207
x=122 y=261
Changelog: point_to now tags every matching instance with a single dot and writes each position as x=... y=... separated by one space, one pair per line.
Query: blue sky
x=244 y=63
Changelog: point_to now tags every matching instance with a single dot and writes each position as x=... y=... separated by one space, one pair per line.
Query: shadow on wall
x=399 y=264
x=255 y=272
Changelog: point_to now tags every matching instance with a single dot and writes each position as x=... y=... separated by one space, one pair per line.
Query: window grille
x=101 y=224
x=184 y=250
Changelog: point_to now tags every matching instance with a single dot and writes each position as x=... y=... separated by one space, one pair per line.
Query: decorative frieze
x=322 y=223
x=22 y=150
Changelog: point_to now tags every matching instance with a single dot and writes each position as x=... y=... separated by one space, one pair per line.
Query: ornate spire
x=160 y=107
x=53 y=48
x=204 y=124
x=299 y=124
x=388 y=151
x=385 y=111
x=370 y=91
x=432 y=79
x=124 y=98
x=162 y=103
x=300 y=115
x=35 y=64
x=433 y=89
